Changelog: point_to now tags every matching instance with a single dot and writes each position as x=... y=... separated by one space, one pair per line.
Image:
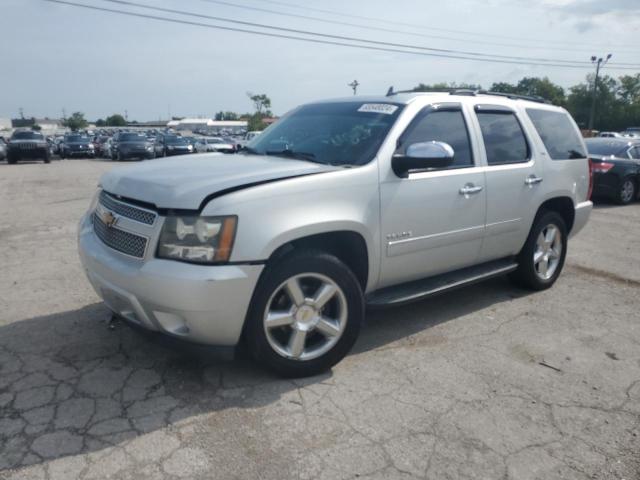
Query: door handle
x=532 y=180
x=470 y=189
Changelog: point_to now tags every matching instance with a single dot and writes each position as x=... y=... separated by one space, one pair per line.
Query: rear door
x=514 y=179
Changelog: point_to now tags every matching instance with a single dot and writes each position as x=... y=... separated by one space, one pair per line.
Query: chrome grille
x=124 y=242
x=126 y=210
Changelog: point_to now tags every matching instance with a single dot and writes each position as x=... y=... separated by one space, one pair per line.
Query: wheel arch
x=564 y=206
x=348 y=246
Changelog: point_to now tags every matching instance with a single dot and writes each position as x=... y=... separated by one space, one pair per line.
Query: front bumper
x=204 y=304
x=582 y=212
x=146 y=154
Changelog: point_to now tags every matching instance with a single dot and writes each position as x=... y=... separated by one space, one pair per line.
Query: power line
x=421 y=27
x=347 y=38
x=304 y=39
x=369 y=27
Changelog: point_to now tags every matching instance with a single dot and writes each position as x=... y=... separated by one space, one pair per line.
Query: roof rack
x=473 y=93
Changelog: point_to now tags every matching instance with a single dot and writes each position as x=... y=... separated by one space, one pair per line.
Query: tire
x=327 y=333
x=47 y=158
x=12 y=160
x=627 y=191
x=120 y=157
x=530 y=274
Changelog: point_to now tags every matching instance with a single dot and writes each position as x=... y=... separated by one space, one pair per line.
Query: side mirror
x=423 y=156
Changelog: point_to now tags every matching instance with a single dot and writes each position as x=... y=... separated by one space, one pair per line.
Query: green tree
x=100 y=123
x=226 y=115
x=422 y=87
x=116 y=120
x=533 y=87
x=609 y=108
x=261 y=103
x=76 y=121
x=36 y=127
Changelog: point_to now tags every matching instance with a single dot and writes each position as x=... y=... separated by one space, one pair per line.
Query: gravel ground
x=487 y=382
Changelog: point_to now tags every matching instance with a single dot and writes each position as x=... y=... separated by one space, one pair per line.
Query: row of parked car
x=615 y=160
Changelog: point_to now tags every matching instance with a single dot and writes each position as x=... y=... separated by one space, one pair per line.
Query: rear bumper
x=203 y=304
x=582 y=212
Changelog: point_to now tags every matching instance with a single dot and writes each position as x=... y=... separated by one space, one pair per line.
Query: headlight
x=197 y=239
x=150 y=148
x=190 y=147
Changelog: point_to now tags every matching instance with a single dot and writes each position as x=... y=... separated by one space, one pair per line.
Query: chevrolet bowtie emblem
x=109 y=219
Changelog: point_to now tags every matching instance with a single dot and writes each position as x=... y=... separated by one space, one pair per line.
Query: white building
x=206 y=124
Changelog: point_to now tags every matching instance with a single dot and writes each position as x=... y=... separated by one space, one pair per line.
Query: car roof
x=465 y=97
x=617 y=142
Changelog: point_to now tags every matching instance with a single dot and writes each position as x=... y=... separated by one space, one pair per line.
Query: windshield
x=132 y=137
x=77 y=139
x=605 y=148
x=175 y=141
x=343 y=133
x=27 y=136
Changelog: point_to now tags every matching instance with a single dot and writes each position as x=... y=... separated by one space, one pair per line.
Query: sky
x=57 y=57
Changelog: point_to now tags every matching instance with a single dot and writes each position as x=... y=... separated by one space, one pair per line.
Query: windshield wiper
x=292 y=154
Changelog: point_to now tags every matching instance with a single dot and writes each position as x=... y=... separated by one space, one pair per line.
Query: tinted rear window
x=504 y=140
x=558 y=134
x=598 y=147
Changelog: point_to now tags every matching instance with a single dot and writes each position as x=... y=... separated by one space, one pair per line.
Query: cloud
x=596 y=7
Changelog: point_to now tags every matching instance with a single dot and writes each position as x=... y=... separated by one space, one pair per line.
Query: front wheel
x=542 y=257
x=305 y=314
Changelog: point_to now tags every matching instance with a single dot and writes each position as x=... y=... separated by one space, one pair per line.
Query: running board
x=428 y=287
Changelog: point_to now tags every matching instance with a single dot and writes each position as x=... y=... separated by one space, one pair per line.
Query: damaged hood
x=183 y=182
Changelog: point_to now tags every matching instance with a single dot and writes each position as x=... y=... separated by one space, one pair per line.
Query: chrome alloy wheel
x=548 y=251
x=627 y=191
x=305 y=316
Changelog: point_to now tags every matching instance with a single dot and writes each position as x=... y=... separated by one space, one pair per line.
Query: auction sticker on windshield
x=385 y=108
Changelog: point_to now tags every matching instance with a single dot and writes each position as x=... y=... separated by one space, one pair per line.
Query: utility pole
x=126 y=115
x=599 y=63
x=354 y=86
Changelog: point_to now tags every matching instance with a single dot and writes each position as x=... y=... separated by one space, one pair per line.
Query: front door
x=433 y=221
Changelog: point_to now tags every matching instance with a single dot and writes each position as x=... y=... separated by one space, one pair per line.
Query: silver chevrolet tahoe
x=341 y=204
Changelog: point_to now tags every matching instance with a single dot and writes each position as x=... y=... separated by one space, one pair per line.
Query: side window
x=443 y=126
x=558 y=133
x=634 y=153
x=504 y=140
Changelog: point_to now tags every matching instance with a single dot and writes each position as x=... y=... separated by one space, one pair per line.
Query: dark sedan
x=76 y=145
x=167 y=145
x=616 y=168
x=26 y=144
x=131 y=145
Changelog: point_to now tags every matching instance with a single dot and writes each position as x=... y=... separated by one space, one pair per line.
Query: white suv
x=340 y=204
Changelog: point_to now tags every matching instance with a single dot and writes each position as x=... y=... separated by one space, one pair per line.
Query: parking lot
x=483 y=383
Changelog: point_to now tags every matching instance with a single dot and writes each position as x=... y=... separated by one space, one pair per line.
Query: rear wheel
x=305 y=315
x=626 y=192
x=542 y=257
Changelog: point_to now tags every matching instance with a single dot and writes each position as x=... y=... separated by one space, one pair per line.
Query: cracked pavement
x=488 y=382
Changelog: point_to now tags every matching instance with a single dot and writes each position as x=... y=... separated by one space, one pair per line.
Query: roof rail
x=471 y=92
x=515 y=96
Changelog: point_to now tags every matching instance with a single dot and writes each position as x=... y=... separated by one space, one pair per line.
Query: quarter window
x=558 y=133
x=504 y=140
x=446 y=126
